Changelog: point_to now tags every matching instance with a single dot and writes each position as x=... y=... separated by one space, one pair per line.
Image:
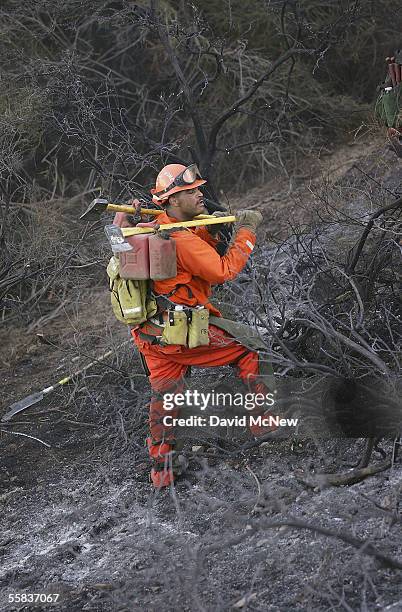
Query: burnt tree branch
x=397 y=204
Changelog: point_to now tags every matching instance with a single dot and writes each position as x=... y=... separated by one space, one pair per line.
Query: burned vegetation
x=273 y=101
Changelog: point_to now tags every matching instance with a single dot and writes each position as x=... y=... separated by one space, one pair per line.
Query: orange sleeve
x=204 y=234
x=201 y=259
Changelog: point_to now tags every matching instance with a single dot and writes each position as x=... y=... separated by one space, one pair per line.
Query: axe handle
x=131 y=210
x=145 y=211
x=132 y=231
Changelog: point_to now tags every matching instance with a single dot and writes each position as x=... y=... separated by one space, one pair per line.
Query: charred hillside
x=273 y=101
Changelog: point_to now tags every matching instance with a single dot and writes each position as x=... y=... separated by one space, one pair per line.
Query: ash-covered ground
x=247 y=528
x=80 y=518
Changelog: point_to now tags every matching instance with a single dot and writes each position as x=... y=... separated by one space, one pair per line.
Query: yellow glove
x=250 y=219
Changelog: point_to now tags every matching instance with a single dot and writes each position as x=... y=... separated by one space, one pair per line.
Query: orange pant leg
x=168 y=364
x=166 y=376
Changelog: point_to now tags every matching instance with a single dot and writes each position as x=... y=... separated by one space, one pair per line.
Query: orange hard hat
x=174 y=178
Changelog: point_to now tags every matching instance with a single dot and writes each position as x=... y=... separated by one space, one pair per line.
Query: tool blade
x=116 y=239
x=22 y=405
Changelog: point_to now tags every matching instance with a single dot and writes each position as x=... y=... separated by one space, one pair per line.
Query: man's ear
x=172 y=201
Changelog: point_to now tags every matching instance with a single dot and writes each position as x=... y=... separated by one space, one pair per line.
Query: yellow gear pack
x=186 y=326
x=175 y=329
x=131 y=299
x=198 y=327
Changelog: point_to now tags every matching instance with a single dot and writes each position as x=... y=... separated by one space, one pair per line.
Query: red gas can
x=162 y=257
x=135 y=263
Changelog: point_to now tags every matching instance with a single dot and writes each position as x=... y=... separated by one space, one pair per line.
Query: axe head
x=96 y=207
x=116 y=239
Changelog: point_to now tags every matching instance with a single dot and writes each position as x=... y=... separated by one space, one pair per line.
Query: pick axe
x=99 y=205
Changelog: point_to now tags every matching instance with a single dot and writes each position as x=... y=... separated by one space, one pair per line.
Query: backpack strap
x=162 y=299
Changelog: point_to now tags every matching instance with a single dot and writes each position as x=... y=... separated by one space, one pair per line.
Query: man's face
x=187 y=204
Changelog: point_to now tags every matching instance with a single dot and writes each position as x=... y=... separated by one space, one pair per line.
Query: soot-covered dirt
x=80 y=518
x=242 y=531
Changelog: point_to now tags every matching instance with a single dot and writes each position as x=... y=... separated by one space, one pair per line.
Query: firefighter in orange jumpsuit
x=198 y=267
